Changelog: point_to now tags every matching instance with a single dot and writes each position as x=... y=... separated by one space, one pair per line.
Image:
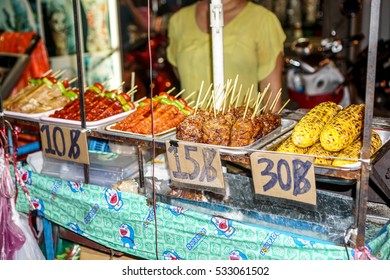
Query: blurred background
x=116 y=44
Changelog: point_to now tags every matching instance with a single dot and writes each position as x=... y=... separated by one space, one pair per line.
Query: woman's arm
x=274 y=79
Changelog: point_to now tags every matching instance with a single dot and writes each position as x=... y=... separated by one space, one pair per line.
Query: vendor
x=253 y=47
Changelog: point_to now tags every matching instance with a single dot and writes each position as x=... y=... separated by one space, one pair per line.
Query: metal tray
x=349 y=172
x=286 y=125
x=161 y=135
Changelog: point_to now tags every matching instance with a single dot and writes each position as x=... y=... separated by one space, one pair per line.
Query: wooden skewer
x=238 y=97
x=120 y=86
x=234 y=100
x=275 y=100
x=230 y=91
x=132 y=80
x=206 y=96
x=141 y=99
x=269 y=97
x=73 y=80
x=247 y=103
x=213 y=98
x=218 y=94
x=211 y=101
x=228 y=82
x=58 y=73
x=225 y=97
x=285 y=104
x=132 y=90
x=180 y=92
x=246 y=96
x=191 y=94
x=257 y=103
x=172 y=89
x=47 y=72
x=199 y=94
x=232 y=97
x=191 y=102
x=261 y=99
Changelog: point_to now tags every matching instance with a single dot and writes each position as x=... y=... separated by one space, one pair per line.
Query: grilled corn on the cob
x=321 y=155
x=353 y=151
x=343 y=129
x=288 y=146
x=307 y=131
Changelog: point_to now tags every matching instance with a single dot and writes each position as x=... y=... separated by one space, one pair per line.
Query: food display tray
x=162 y=135
x=348 y=172
x=285 y=126
x=27 y=116
x=89 y=124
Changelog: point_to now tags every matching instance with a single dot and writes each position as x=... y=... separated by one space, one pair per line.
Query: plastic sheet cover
x=126 y=222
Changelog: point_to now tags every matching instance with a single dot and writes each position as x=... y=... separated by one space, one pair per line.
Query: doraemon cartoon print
x=38 y=206
x=76 y=228
x=237 y=255
x=113 y=199
x=171 y=255
x=176 y=210
x=126 y=234
x=223 y=226
x=75 y=186
x=303 y=242
x=26 y=176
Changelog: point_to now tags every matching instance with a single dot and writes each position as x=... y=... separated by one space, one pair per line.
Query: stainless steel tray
x=349 y=172
x=286 y=125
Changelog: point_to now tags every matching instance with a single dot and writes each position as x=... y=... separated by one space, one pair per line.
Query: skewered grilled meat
x=97 y=107
x=270 y=122
x=190 y=129
x=163 y=116
x=229 y=129
x=216 y=131
x=242 y=132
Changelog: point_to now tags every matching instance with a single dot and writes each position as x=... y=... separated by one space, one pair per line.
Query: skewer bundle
x=231 y=125
x=156 y=115
x=100 y=103
x=41 y=94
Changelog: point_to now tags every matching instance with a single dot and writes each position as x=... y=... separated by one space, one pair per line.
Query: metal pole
x=80 y=70
x=80 y=57
x=216 y=23
x=369 y=103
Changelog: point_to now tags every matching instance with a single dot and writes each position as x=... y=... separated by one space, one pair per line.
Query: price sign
x=194 y=164
x=285 y=176
x=64 y=143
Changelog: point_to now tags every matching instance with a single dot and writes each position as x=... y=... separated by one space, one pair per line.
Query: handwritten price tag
x=64 y=143
x=194 y=164
x=285 y=176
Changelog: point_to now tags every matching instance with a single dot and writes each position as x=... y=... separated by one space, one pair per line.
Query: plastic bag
x=11 y=236
x=30 y=249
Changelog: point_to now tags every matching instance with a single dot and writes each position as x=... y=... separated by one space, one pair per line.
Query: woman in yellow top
x=253 y=47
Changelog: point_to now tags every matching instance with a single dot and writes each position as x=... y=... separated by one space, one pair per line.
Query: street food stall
x=209 y=180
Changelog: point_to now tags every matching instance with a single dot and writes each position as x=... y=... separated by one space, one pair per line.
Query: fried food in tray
x=231 y=129
x=100 y=103
x=41 y=95
x=164 y=111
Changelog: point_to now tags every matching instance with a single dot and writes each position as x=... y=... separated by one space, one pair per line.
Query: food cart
x=169 y=211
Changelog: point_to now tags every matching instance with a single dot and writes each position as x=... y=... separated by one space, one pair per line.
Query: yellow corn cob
x=288 y=146
x=307 y=131
x=343 y=129
x=353 y=151
x=321 y=155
